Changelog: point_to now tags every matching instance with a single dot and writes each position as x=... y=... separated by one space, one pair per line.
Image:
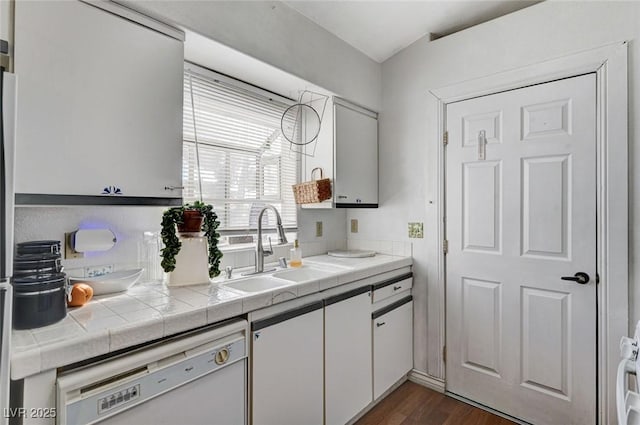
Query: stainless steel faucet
x=261 y=252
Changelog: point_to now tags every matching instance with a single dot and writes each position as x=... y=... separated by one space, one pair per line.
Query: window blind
x=245 y=162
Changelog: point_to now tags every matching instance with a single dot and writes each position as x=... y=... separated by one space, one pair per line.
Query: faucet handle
x=270 y=250
x=228 y=270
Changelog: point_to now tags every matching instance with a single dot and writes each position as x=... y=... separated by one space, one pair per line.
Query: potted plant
x=190 y=218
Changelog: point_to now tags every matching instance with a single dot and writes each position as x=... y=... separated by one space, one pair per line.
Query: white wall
x=408 y=144
x=277 y=35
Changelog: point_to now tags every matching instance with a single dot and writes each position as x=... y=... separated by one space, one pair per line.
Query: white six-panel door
x=519 y=218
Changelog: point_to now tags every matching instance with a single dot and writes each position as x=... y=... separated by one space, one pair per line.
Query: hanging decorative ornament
x=300 y=123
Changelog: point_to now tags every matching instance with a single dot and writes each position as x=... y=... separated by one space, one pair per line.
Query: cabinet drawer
x=388 y=288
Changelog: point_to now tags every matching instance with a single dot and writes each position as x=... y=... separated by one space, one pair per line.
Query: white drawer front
x=392 y=289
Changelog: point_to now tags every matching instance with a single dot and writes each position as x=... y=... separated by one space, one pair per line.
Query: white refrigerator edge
x=7 y=144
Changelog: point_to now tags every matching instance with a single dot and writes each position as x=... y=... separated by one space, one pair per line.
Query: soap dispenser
x=295 y=256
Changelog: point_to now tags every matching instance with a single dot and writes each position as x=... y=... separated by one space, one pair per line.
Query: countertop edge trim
x=346 y=295
x=393 y=280
x=287 y=315
x=391 y=307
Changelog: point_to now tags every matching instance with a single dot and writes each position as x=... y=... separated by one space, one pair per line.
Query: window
x=244 y=159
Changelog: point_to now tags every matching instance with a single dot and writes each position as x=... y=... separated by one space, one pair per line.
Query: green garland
x=172 y=245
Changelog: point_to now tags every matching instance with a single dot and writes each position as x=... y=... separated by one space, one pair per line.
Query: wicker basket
x=314 y=190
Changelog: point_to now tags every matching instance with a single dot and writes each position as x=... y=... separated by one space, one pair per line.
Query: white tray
x=111 y=282
x=351 y=253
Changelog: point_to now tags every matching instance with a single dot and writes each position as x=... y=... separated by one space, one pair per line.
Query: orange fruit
x=81 y=293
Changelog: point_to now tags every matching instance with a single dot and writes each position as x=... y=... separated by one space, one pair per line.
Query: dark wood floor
x=413 y=404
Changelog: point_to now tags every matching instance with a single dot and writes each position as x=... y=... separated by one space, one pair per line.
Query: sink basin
x=303 y=274
x=256 y=284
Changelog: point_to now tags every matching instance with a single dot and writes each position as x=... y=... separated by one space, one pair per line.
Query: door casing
x=610 y=65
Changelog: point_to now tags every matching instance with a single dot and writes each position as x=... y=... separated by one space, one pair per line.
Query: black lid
x=45 y=256
x=39 y=283
x=35 y=272
x=38 y=247
x=37 y=265
x=38 y=243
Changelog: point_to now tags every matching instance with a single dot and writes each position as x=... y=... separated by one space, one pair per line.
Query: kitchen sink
x=303 y=274
x=256 y=284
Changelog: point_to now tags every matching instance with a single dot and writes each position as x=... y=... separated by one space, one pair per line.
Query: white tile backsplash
x=127 y=223
x=130 y=223
x=382 y=246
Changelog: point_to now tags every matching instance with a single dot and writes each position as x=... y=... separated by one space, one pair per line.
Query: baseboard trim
x=487 y=408
x=428 y=381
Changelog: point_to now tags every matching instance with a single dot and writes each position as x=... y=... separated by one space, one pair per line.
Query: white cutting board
x=351 y=253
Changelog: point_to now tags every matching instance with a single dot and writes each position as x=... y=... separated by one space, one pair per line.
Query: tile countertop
x=149 y=311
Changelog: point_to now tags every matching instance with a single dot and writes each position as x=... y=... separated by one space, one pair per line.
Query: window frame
x=260 y=165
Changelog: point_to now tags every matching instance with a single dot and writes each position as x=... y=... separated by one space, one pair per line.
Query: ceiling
x=380 y=28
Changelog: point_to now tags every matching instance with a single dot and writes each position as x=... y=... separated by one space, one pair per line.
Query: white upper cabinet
x=99 y=107
x=347 y=152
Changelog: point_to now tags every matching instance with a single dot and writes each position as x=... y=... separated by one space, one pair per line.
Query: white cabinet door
x=392 y=344
x=348 y=375
x=287 y=368
x=99 y=104
x=356 y=156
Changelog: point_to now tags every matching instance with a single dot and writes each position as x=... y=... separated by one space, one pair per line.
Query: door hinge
x=444 y=354
x=445 y=138
x=445 y=246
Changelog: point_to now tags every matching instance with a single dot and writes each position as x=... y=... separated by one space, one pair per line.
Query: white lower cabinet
x=347 y=350
x=287 y=368
x=392 y=344
x=322 y=363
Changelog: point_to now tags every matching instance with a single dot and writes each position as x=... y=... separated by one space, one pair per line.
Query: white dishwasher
x=200 y=378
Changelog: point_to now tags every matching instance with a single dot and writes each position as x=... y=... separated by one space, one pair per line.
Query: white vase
x=192 y=263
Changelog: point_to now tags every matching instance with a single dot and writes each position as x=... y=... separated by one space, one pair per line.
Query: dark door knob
x=580 y=277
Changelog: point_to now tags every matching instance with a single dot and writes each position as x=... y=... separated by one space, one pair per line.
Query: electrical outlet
x=318 y=229
x=354 y=225
x=95 y=271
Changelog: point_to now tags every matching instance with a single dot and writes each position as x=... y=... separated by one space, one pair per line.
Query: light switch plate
x=318 y=229
x=354 y=225
x=416 y=230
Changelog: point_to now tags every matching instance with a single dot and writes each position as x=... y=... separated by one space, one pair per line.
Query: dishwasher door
x=196 y=379
x=215 y=399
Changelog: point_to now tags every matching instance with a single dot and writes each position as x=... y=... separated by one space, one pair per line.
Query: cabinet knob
x=173 y=187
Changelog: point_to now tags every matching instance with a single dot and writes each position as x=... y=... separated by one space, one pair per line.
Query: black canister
x=39 y=301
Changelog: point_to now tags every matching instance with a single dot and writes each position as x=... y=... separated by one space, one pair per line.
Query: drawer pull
x=381 y=324
x=395 y=288
x=173 y=187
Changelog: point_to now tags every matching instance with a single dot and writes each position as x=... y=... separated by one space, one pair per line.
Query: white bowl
x=111 y=282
